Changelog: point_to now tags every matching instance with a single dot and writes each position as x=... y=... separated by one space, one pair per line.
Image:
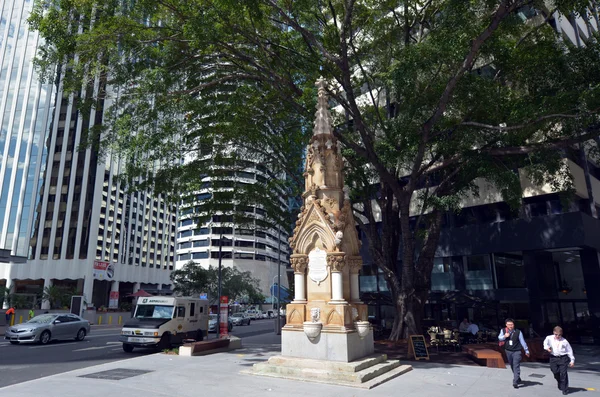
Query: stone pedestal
x=342 y=346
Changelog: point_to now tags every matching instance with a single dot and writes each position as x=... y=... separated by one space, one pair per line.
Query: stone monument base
x=329 y=345
x=365 y=373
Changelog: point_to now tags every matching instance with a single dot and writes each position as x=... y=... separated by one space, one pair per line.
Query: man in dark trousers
x=513 y=342
x=561 y=356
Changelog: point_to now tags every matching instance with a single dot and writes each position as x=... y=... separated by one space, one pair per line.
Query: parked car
x=254 y=314
x=240 y=319
x=212 y=323
x=47 y=327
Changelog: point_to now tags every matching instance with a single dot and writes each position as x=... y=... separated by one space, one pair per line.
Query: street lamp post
x=278 y=280
x=273 y=293
x=219 y=287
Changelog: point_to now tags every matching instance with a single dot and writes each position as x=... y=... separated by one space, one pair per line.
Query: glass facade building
x=62 y=206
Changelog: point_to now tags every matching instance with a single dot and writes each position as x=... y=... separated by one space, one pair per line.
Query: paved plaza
x=220 y=374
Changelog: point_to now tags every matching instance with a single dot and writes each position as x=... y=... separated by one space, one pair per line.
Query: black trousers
x=559 y=366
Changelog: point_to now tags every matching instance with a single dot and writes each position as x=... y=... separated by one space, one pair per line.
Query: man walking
x=561 y=356
x=513 y=341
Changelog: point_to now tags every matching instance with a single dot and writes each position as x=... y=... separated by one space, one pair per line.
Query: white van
x=160 y=321
x=254 y=314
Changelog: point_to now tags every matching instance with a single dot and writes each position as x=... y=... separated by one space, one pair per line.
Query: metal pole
x=278 y=281
x=219 y=288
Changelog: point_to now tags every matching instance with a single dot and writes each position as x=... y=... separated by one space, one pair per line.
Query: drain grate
x=116 y=374
x=537 y=376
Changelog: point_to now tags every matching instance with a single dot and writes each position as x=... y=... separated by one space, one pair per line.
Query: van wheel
x=165 y=342
x=127 y=348
x=199 y=335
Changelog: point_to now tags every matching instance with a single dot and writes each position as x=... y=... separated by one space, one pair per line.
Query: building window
x=185 y=257
x=569 y=274
x=201 y=243
x=478 y=272
x=186 y=222
x=200 y=255
x=224 y=255
x=201 y=231
x=442 y=277
x=185 y=245
x=244 y=255
x=510 y=272
x=185 y=233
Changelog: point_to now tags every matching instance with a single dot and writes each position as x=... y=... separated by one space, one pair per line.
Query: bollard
x=120 y=319
x=20 y=319
x=109 y=320
x=99 y=320
x=12 y=320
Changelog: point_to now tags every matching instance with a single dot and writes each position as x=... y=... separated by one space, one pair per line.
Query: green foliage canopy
x=193 y=279
x=433 y=98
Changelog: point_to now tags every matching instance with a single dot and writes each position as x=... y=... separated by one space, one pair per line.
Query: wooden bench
x=491 y=358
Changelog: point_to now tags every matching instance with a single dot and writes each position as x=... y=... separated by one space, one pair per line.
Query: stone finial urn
x=363 y=328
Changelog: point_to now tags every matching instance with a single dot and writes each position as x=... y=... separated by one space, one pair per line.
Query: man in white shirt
x=561 y=356
x=473 y=328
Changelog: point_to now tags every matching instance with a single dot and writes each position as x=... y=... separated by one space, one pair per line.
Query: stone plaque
x=317 y=265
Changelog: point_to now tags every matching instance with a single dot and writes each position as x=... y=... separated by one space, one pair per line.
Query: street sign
x=224 y=311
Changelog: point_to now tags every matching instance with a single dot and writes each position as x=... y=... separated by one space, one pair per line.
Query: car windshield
x=237 y=315
x=213 y=317
x=42 y=319
x=154 y=311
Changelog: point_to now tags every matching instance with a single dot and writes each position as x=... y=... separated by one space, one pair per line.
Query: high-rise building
x=62 y=206
x=247 y=247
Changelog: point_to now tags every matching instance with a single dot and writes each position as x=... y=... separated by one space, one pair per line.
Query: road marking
x=92 y=348
x=56 y=344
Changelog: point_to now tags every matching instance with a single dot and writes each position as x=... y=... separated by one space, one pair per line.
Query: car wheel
x=80 y=335
x=45 y=337
x=14 y=342
x=127 y=348
x=165 y=342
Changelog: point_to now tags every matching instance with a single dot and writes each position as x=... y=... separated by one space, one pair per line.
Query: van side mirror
x=56 y=322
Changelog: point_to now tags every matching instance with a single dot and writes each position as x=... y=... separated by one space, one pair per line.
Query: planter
x=363 y=328
x=312 y=329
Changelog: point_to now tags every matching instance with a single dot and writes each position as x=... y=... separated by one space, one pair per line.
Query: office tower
x=247 y=247
x=63 y=209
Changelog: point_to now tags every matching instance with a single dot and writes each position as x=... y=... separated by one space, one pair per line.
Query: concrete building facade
x=63 y=211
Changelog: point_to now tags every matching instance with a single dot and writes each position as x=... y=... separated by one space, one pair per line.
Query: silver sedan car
x=47 y=327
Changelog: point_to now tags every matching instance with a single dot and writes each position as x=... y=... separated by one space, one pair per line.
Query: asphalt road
x=20 y=363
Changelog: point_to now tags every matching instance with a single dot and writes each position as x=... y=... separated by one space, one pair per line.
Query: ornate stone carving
x=355 y=263
x=336 y=262
x=315 y=314
x=299 y=263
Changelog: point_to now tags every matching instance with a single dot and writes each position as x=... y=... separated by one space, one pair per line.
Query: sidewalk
x=160 y=375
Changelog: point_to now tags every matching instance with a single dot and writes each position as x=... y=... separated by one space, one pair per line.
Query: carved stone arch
x=306 y=241
x=334 y=318
x=295 y=317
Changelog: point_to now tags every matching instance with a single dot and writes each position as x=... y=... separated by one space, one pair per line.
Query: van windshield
x=154 y=311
